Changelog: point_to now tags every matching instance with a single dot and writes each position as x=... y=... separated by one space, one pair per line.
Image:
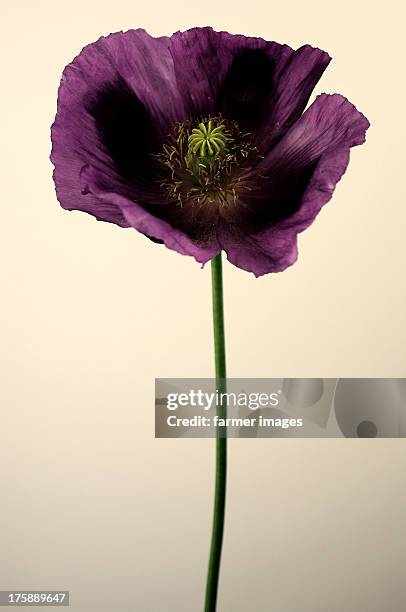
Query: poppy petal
x=319 y=141
x=126 y=79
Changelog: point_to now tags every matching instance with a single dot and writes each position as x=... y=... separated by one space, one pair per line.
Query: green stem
x=221 y=439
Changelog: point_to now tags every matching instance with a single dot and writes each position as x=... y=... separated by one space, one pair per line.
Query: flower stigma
x=209 y=140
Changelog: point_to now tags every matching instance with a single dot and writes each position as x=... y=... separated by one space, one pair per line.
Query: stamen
x=204 y=164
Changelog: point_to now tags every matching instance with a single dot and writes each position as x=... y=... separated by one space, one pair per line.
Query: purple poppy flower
x=199 y=141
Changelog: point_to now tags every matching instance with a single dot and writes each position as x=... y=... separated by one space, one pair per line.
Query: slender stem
x=221 y=439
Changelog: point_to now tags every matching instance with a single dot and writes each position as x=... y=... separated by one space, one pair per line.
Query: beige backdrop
x=92 y=313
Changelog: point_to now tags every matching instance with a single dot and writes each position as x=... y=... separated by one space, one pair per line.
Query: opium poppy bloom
x=199 y=141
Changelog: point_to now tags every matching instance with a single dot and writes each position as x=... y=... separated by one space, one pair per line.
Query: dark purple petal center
x=125 y=128
x=247 y=88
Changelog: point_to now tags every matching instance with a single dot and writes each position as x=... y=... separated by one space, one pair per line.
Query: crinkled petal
x=319 y=142
x=203 y=58
x=293 y=86
x=239 y=76
x=142 y=61
x=268 y=251
x=139 y=218
x=125 y=81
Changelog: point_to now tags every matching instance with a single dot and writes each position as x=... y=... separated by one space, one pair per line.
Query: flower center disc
x=203 y=163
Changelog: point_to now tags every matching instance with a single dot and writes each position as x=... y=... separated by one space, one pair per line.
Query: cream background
x=92 y=313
